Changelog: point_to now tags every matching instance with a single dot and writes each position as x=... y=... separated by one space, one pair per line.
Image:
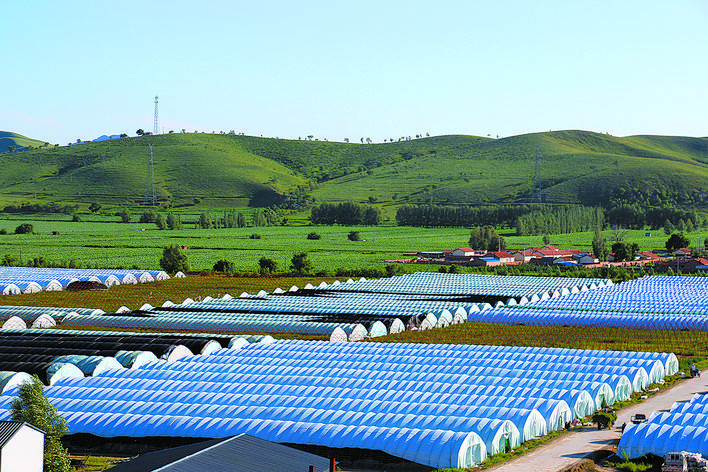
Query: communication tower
x=150 y=193
x=157 y=120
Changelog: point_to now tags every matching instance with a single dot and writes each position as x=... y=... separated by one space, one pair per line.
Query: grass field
x=231 y=170
x=104 y=242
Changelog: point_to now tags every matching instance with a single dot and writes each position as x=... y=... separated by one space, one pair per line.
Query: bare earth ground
x=570 y=448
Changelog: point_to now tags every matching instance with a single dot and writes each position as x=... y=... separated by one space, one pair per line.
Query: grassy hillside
x=18 y=142
x=231 y=170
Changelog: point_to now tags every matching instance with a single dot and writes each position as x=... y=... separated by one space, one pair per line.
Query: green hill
x=16 y=142
x=232 y=170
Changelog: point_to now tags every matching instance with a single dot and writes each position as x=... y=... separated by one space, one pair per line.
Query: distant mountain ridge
x=231 y=170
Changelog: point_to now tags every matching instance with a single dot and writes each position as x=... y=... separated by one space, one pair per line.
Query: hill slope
x=231 y=170
x=18 y=142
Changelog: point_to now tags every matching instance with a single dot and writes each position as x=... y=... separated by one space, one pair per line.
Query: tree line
x=431 y=216
x=559 y=220
x=349 y=214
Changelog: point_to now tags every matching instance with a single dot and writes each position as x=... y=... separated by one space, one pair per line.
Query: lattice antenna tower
x=157 y=119
x=150 y=193
x=537 y=196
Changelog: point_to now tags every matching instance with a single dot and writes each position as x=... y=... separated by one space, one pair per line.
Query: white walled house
x=21 y=447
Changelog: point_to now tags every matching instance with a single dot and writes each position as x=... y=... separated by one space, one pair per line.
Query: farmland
x=102 y=241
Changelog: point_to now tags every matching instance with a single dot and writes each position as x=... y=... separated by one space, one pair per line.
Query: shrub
x=124 y=216
x=300 y=264
x=223 y=265
x=267 y=265
x=174 y=260
x=255 y=236
x=313 y=235
x=160 y=222
x=148 y=216
x=76 y=218
x=25 y=228
x=3 y=231
x=94 y=207
x=353 y=236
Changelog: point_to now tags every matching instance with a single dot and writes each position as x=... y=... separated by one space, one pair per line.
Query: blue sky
x=332 y=69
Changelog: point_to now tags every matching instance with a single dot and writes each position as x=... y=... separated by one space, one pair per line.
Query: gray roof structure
x=241 y=453
x=9 y=428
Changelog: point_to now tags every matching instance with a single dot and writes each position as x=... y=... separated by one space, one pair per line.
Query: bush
x=174 y=260
x=223 y=265
x=94 y=207
x=160 y=222
x=25 y=228
x=76 y=218
x=148 y=216
x=3 y=231
x=255 y=236
x=313 y=236
x=300 y=264
x=354 y=236
x=267 y=265
x=124 y=216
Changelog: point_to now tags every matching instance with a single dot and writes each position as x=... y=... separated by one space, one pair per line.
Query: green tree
x=205 y=221
x=140 y=132
x=124 y=216
x=486 y=238
x=354 y=236
x=624 y=251
x=148 y=216
x=94 y=207
x=160 y=222
x=599 y=246
x=25 y=228
x=300 y=264
x=267 y=265
x=259 y=218
x=223 y=265
x=174 y=260
x=546 y=239
x=174 y=222
x=34 y=408
x=677 y=241
x=313 y=235
x=241 y=220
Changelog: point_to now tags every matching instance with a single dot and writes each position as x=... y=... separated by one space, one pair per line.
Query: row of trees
x=560 y=219
x=432 y=216
x=348 y=214
x=634 y=216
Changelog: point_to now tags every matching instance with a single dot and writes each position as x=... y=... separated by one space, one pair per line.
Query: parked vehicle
x=639 y=418
x=684 y=462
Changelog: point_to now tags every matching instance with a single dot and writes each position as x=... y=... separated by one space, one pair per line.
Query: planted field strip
x=414 y=401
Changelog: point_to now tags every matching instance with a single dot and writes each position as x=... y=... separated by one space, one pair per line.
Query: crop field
x=105 y=243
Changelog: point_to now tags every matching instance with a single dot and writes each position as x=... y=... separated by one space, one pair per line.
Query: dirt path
x=572 y=447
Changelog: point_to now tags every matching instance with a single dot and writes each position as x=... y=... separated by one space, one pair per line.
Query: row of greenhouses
x=438 y=405
x=683 y=428
x=660 y=303
x=362 y=309
x=16 y=280
x=446 y=284
x=53 y=354
x=19 y=317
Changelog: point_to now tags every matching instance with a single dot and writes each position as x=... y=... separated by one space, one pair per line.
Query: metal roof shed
x=241 y=453
x=21 y=447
